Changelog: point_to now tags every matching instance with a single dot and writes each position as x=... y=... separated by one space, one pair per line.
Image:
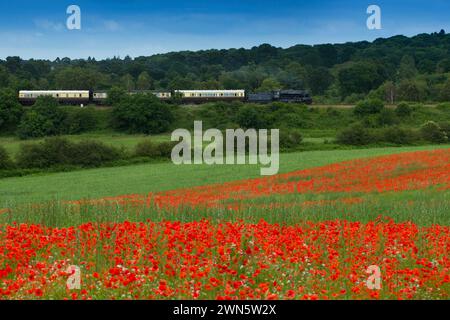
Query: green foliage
x=146 y=149
x=91 y=153
x=412 y=90
x=403 y=110
x=81 y=120
x=77 y=78
x=269 y=85
x=407 y=68
x=57 y=151
x=290 y=139
x=165 y=149
x=444 y=106
x=142 y=113
x=387 y=117
x=445 y=91
x=45 y=118
x=51 y=152
x=144 y=81
x=356 y=135
x=115 y=95
x=359 y=77
x=10 y=110
x=445 y=127
x=249 y=117
x=432 y=132
x=400 y=136
x=5 y=161
x=369 y=106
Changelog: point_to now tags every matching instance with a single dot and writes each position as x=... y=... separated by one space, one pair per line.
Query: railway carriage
x=199 y=96
x=29 y=97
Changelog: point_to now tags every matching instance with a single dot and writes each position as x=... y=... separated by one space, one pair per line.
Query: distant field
x=96 y=183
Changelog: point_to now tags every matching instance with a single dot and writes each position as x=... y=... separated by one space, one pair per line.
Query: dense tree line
x=394 y=69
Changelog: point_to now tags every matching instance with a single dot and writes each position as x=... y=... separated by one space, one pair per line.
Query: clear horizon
x=144 y=28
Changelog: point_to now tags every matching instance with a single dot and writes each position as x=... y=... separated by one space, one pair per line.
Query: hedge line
x=61 y=154
x=430 y=132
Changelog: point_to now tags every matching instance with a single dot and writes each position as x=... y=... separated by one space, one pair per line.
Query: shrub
x=146 y=149
x=403 y=110
x=50 y=152
x=445 y=126
x=142 y=113
x=387 y=117
x=165 y=149
x=5 y=161
x=249 y=117
x=151 y=150
x=290 y=139
x=54 y=152
x=90 y=153
x=400 y=135
x=369 y=106
x=45 y=118
x=443 y=106
x=356 y=135
x=354 y=98
x=10 y=110
x=81 y=120
x=115 y=95
x=432 y=132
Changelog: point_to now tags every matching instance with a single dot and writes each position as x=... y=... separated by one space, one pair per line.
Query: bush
x=90 y=153
x=400 y=135
x=403 y=110
x=146 y=149
x=387 y=117
x=369 y=106
x=432 y=132
x=249 y=117
x=5 y=161
x=165 y=149
x=445 y=126
x=50 y=152
x=10 y=110
x=81 y=120
x=356 y=135
x=290 y=139
x=115 y=95
x=354 y=98
x=151 y=150
x=142 y=113
x=45 y=118
x=443 y=106
x=57 y=152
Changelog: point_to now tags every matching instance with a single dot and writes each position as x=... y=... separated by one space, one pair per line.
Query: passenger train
x=85 y=97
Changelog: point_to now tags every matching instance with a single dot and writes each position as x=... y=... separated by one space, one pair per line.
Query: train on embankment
x=85 y=97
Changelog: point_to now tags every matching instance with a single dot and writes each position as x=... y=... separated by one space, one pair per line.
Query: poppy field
x=307 y=234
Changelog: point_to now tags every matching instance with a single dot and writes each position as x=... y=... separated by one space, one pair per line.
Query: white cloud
x=111 y=25
x=48 y=25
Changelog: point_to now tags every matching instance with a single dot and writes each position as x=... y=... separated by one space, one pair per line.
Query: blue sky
x=37 y=29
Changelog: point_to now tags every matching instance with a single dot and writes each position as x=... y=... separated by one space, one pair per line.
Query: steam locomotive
x=85 y=97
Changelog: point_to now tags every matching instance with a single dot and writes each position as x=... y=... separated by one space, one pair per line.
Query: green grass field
x=97 y=183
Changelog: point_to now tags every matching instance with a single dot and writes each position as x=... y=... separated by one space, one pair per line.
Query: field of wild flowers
x=309 y=234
